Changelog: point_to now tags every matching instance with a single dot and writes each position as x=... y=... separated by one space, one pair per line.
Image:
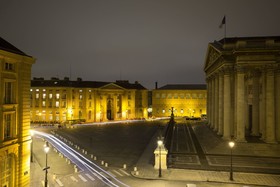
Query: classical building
x=15 y=75
x=65 y=100
x=186 y=100
x=243 y=82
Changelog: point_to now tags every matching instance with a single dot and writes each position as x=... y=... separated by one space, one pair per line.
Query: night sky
x=135 y=40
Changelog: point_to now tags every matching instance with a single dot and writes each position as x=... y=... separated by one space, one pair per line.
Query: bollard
x=135 y=168
x=85 y=152
x=124 y=166
x=76 y=169
x=91 y=156
x=106 y=164
x=102 y=162
x=95 y=158
x=136 y=172
x=54 y=176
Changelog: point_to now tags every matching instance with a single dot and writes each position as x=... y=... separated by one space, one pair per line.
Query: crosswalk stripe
x=112 y=174
x=118 y=173
x=85 y=180
x=90 y=177
x=74 y=179
x=123 y=171
x=59 y=182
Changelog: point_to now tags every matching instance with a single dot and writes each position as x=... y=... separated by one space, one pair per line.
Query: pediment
x=111 y=86
x=212 y=56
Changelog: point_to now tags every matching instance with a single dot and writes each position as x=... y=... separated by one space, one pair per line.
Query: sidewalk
x=145 y=170
x=58 y=165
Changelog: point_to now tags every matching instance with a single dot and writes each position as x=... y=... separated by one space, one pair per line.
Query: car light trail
x=80 y=160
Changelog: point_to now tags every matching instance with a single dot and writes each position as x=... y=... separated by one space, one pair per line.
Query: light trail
x=80 y=160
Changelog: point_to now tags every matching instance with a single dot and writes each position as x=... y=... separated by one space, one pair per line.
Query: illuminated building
x=15 y=70
x=243 y=80
x=64 y=100
x=186 y=100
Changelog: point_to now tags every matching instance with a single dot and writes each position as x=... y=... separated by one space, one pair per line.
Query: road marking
x=74 y=179
x=81 y=177
x=97 y=176
x=118 y=173
x=123 y=171
x=90 y=177
x=191 y=185
x=59 y=182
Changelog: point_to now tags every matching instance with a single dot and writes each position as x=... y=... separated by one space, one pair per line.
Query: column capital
x=239 y=69
x=227 y=69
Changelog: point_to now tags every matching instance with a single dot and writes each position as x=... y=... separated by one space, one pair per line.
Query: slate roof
x=6 y=46
x=40 y=82
x=183 y=87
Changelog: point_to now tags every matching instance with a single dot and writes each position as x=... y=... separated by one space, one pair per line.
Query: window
x=57 y=104
x=37 y=96
x=89 y=97
x=163 y=96
x=50 y=104
x=129 y=96
x=175 y=96
x=43 y=103
x=8 y=92
x=169 y=96
x=8 y=120
x=157 y=96
x=89 y=104
x=182 y=96
x=50 y=96
x=57 y=96
x=9 y=66
x=44 y=96
x=188 y=96
x=89 y=115
x=81 y=96
x=6 y=171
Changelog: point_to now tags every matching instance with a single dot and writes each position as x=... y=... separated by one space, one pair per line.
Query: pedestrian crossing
x=86 y=177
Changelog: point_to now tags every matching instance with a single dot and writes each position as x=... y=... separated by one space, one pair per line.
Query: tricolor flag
x=223 y=22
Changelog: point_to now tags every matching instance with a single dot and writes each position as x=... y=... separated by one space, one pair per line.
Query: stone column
x=256 y=108
x=227 y=105
x=240 y=105
x=216 y=125
x=221 y=103
x=262 y=105
x=277 y=109
x=213 y=103
x=209 y=95
x=270 y=112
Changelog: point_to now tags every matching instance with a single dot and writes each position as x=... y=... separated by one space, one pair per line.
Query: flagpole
x=225 y=31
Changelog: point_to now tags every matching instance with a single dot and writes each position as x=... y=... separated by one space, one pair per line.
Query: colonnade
x=245 y=100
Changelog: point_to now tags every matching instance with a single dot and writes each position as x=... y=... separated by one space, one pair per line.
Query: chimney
x=156 y=86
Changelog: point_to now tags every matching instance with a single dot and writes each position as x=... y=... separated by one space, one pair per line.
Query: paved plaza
x=133 y=144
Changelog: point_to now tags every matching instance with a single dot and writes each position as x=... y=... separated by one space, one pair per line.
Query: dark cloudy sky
x=135 y=40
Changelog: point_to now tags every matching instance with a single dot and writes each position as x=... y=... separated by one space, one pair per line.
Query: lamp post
x=231 y=145
x=159 y=142
x=46 y=149
x=31 y=156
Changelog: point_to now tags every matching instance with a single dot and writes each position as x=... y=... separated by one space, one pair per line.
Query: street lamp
x=46 y=149
x=31 y=156
x=231 y=145
x=159 y=142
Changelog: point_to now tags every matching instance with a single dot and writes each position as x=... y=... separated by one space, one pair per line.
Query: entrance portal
x=110 y=109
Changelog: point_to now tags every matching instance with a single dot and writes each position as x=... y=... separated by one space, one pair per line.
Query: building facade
x=243 y=82
x=59 y=101
x=186 y=99
x=15 y=140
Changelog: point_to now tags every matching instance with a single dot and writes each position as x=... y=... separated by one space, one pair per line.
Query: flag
x=223 y=22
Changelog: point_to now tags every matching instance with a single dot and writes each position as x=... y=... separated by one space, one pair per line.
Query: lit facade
x=15 y=70
x=243 y=81
x=59 y=101
x=186 y=100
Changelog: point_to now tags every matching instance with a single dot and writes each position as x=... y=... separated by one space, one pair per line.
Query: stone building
x=243 y=83
x=186 y=100
x=15 y=141
x=78 y=101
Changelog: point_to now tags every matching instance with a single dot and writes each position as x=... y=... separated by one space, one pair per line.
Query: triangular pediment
x=111 y=86
x=212 y=56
